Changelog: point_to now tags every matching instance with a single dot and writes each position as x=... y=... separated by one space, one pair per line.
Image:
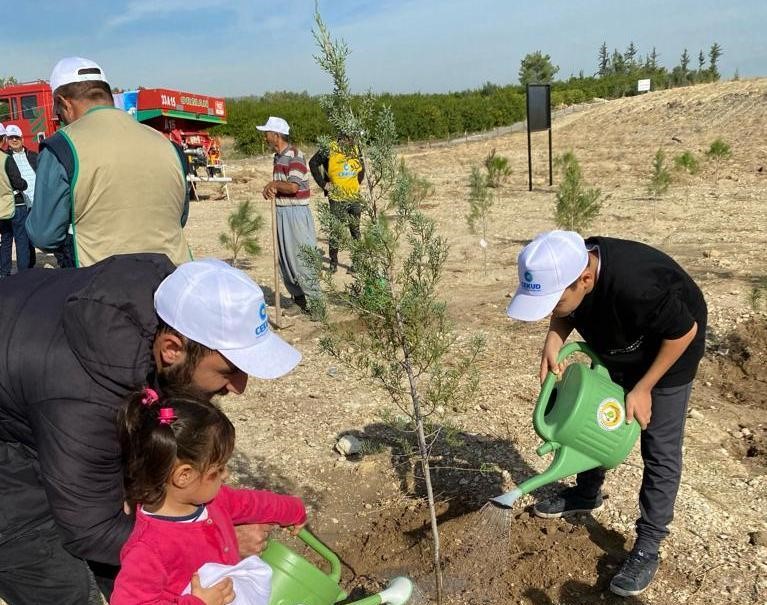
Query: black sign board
x=538 y=118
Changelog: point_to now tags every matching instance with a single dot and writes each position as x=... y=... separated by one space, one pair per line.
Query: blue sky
x=239 y=47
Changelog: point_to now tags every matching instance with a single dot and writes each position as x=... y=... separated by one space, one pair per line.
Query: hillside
x=287 y=428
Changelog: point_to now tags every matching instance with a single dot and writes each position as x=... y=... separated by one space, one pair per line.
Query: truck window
x=28 y=107
x=5 y=112
x=14 y=109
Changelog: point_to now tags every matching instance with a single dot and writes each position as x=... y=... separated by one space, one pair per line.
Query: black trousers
x=661 y=446
x=35 y=568
x=346 y=213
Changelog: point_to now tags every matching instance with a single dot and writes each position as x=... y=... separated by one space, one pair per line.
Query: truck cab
x=30 y=107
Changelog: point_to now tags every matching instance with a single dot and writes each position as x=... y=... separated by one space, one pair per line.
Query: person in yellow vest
x=105 y=181
x=339 y=176
x=11 y=183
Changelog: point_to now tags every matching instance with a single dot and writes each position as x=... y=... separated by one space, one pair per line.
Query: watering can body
x=296 y=581
x=582 y=420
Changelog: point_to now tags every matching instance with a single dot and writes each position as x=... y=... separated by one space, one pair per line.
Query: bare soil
x=370 y=509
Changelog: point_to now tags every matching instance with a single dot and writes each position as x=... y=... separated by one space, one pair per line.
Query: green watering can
x=295 y=581
x=582 y=419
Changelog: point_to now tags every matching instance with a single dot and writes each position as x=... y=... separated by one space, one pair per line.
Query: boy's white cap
x=275 y=125
x=13 y=131
x=546 y=266
x=75 y=69
x=222 y=308
x=2 y=130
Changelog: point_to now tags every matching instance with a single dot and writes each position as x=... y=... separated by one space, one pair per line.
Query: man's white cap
x=222 y=308
x=546 y=266
x=13 y=131
x=2 y=130
x=75 y=69
x=275 y=125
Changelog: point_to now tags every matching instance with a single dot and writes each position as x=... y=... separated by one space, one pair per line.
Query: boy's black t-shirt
x=641 y=297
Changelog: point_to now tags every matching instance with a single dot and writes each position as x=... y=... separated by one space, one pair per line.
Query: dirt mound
x=493 y=552
x=742 y=360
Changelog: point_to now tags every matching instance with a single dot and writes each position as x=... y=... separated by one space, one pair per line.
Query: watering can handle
x=551 y=378
x=317 y=546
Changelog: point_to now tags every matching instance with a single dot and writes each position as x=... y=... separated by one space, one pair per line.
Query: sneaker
x=300 y=301
x=635 y=574
x=568 y=502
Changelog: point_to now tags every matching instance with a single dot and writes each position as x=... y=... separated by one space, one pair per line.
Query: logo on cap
x=528 y=284
x=263 y=327
x=528 y=276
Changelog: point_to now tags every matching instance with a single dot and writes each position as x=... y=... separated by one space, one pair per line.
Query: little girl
x=175 y=451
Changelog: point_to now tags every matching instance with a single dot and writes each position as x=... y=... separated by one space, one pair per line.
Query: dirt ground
x=369 y=509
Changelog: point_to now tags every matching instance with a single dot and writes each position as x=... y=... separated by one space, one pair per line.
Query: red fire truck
x=183 y=117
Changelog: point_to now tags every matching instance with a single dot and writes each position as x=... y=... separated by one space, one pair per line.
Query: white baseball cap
x=275 y=125
x=546 y=266
x=13 y=131
x=222 y=308
x=75 y=69
x=2 y=130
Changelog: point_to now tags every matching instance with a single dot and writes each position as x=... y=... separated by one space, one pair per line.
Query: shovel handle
x=551 y=378
x=317 y=546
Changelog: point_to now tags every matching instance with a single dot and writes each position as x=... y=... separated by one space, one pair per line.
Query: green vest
x=128 y=188
x=7 y=204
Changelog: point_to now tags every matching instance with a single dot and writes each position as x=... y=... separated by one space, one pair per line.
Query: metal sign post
x=538 y=118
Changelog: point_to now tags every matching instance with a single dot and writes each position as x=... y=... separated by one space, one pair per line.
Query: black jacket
x=73 y=342
x=318 y=165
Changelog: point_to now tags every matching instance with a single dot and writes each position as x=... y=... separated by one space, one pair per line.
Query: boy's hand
x=295 y=529
x=549 y=356
x=639 y=406
x=220 y=593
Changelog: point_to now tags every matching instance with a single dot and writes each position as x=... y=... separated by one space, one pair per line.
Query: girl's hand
x=220 y=593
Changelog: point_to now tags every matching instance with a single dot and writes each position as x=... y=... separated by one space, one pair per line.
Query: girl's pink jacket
x=160 y=557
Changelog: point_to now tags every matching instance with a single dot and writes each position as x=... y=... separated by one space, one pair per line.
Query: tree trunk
x=424 y=453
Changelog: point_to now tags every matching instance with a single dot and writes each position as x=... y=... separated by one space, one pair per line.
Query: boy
x=646 y=319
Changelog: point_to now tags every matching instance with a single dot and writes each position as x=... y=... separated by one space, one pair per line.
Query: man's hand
x=294 y=530
x=252 y=538
x=270 y=191
x=220 y=593
x=639 y=406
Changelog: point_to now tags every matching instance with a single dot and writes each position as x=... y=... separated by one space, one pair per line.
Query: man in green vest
x=339 y=171
x=117 y=186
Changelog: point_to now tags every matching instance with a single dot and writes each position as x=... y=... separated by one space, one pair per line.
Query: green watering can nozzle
x=508 y=499
x=398 y=592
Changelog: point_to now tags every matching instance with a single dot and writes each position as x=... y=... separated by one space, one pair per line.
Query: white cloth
x=28 y=174
x=251 y=579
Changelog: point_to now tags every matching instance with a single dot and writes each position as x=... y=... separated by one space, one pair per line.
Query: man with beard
x=75 y=342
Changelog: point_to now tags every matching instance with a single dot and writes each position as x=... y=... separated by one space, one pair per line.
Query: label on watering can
x=610 y=414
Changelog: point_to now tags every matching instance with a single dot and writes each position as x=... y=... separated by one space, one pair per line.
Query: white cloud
x=139 y=10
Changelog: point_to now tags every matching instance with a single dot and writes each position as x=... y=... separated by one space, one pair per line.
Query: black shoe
x=569 y=502
x=635 y=574
x=300 y=301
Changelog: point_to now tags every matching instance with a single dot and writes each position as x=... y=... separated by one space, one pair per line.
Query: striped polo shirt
x=290 y=166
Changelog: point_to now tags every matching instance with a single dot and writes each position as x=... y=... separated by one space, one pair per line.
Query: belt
x=22 y=204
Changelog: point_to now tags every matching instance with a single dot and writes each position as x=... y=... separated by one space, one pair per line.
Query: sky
x=244 y=47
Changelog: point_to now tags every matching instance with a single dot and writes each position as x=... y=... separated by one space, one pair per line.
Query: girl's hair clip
x=150 y=396
x=167 y=416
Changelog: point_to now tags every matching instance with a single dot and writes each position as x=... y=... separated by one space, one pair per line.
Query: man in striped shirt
x=289 y=188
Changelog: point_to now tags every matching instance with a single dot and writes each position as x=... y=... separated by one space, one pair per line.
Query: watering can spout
x=567 y=461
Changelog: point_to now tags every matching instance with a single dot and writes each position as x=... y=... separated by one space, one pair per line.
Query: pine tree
x=660 y=178
x=604 y=61
x=629 y=56
x=244 y=224
x=576 y=205
x=617 y=63
x=713 y=56
x=652 y=60
x=701 y=64
x=686 y=162
x=718 y=152
x=685 y=65
x=480 y=203
x=536 y=68
x=402 y=337
x=498 y=169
